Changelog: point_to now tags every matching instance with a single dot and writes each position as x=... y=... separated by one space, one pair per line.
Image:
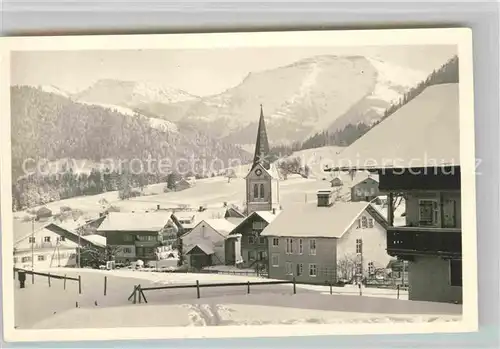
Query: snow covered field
x=270 y=304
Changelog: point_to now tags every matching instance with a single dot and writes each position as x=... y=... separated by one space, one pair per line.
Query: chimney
x=325 y=198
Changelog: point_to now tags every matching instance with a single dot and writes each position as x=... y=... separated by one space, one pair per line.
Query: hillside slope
x=50 y=126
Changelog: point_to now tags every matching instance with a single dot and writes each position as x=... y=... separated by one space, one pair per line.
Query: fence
x=233 y=272
x=137 y=294
x=49 y=277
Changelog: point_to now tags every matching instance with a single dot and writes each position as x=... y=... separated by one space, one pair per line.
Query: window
x=262 y=191
x=25 y=259
x=364 y=223
x=276 y=242
x=258 y=225
x=251 y=255
x=313 y=270
x=428 y=212
x=300 y=269
x=359 y=223
x=31 y=240
x=359 y=246
x=312 y=247
x=72 y=256
x=15 y=259
x=370 y=222
x=61 y=239
x=455 y=272
x=371 y=268
x=275 y=259
x=46 y=239
x=41 y=257
x=301 y=247
x=289 y=268
x=127 y=250
x=262 y=240
x=128 y=237
x=255 y=191
x=289 y=246
x=251 y=239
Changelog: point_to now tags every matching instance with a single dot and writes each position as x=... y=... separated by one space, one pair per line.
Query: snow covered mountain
x=314 y=94
x=131 y=94
x=53 y=89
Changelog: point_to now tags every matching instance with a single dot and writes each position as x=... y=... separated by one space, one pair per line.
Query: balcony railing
x=411 y=241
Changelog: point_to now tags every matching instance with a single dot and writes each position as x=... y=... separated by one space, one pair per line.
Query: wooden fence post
x=49 y=278
x=64 y=281
x=135 y=294
x=32 y=278
x=197 y=288
x=331 y=290
x=294 y=286
x=398 y=291
x=139 y=292
x=105 y=284
x=79 y=284
x=360 y=291
x=248 y=287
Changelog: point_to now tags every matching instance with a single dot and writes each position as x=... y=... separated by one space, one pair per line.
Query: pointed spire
x=262 y=144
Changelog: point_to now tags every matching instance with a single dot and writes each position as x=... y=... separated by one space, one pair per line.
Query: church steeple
x=262 y=144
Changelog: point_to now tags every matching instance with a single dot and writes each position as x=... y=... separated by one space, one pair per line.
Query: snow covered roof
x=422 y=133
x=203 y=247
x=309 y=220
x=221 y=225
x=135 y=221
x=95 y=239
x=268 y=216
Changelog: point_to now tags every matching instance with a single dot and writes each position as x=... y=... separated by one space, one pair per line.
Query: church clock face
x=258 y=172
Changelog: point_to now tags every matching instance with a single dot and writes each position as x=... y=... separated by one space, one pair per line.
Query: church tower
x=262 y=182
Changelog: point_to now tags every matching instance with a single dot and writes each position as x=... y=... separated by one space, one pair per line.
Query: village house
x=135 y=235
x=425 y=170
x=53 y=245
x=204 y=245
x=245 y=247
x=326 y=241
x=365 y=190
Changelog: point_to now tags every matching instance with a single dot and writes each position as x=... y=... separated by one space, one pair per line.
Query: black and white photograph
x=238 y=184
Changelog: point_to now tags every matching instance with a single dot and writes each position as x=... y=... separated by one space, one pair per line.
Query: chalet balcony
x=414 y=241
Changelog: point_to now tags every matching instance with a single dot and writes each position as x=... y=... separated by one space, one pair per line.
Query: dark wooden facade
x=410 y=241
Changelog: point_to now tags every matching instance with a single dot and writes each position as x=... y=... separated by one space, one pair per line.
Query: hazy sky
x=200 y=72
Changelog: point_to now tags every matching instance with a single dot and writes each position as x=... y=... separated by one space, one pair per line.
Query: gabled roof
x=208 y=250
x=272 y=171
x=221 y=225
x=309 y=220
x=369 y=179
x=135 y=221
x=234 y=212
x=73 y=236
x=423 y=133
x=267 y=216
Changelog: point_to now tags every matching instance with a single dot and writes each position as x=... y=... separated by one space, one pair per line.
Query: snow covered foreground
x=64 y=307
x=220 y=315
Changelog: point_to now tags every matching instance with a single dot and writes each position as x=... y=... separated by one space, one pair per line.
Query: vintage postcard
x=238 y=185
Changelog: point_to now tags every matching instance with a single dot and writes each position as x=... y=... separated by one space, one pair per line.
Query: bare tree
x=293 y=166
x=346 y=267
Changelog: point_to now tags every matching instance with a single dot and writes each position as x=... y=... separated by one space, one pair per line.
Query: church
x=244 y=245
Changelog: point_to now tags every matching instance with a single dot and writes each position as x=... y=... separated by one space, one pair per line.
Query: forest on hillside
x=49 y=127
x=447 y=73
